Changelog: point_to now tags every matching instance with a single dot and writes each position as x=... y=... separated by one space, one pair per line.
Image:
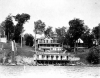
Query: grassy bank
x=25 y=51
x=82 y=57
x=6 y=49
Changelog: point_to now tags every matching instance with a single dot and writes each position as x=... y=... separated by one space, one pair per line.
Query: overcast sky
x=55 y=13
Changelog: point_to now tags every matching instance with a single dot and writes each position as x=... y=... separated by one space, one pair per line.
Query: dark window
x=52 y=57
x=43 y=56
x=56 y=56
x=61 y=57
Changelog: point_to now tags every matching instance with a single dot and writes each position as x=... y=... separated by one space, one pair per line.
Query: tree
x=48 y=31
x=96 y=32
x=29 y=39
x=21 y=19
x=76 y=29
x=39 y=28
x=87 y=37
x=67 y=38
x=61 y=32
x=94 y=55
x=8 y=27
x=2 y=29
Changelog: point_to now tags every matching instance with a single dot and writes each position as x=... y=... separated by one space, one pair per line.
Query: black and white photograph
x=49 y=38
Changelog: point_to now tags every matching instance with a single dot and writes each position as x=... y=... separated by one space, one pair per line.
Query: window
x=44 y=41
x=67 y=57
x=52 y=57
x=43 y=56
x=57 y=57
x=61 y=57
x=47 y=56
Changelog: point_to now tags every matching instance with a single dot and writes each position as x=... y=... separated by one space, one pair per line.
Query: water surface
x=49 y=72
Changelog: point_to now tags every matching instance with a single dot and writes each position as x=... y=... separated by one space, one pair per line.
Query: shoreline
x=88 y=65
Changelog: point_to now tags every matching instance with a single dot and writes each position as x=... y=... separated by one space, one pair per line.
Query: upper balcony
x=47 y=41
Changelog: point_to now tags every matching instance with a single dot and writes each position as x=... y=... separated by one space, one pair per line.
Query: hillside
x=24 y=51
x=83 y=56
x=29 y=51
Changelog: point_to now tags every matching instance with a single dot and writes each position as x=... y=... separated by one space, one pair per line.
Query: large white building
x=54 y=58
x=52 y=52
x=49 y=43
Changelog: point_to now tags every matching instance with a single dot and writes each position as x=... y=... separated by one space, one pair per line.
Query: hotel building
x=49 y=43
x=51 y=52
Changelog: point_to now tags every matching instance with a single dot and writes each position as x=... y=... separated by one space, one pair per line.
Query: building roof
x=79 y=41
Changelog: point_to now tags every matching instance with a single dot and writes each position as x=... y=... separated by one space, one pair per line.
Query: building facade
x=54 y=58
x=49 y=44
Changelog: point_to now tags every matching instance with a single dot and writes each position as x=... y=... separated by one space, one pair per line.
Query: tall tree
x=2 y=29
x=48 y=31
x=67 y=39
x=76 y=29
x=8 y=27
x=96 y=32
x=39 y=28
x=87 y=37
x=61 y=32
x=21 y=19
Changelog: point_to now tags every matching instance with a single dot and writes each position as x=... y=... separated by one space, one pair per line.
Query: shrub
x=29 y=40
x=94 y=55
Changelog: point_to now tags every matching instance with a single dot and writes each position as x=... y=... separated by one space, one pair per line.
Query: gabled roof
x=79 y=41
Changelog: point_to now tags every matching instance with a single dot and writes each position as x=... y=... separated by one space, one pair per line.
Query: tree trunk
x=8 y=36
x=21 y=40
x=75 y=47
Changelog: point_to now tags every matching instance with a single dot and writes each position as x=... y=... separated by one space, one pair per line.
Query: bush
x=29 y=40
x=94 y=55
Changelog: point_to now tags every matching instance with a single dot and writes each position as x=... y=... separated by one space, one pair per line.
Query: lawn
x=24 y=51
x=83 y=56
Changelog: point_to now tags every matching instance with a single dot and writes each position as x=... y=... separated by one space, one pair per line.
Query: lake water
x=49 y=72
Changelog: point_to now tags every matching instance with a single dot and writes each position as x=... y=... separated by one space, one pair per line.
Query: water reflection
x=49 y=71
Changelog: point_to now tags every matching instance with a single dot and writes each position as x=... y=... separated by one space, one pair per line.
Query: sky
x=55 y=13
